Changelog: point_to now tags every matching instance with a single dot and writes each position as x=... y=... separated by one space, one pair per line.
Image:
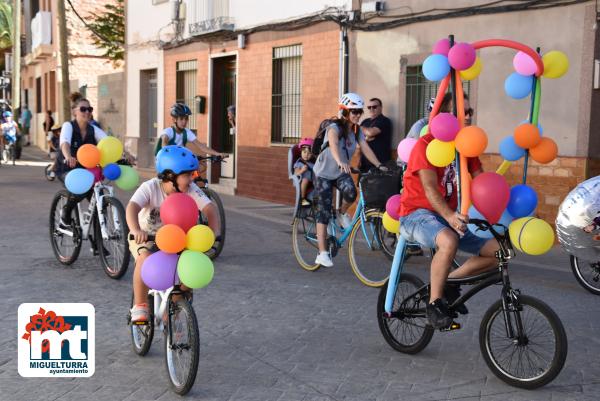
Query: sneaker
x=438 y=315
x=452 y=293
x=344 y=220
x=139 y=313
x=414 y=250
x=52 y=174
x=305 y=202
x=324 y=259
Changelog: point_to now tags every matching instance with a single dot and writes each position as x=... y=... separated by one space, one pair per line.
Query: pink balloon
x=405 y=147
x=392 y=207
x=179 y=209
x=97 y=171
x=442 y=46
x=524 y=64
x=444 y=127
x=490 y=194
x=461 y=56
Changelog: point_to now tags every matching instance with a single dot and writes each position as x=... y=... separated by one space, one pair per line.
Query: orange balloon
x=170 y=238
x=88 y=155
x=545 y=151
x=471 y=141
x=527 y=136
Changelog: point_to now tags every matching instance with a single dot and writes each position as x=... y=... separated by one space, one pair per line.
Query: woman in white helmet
x=332 y=168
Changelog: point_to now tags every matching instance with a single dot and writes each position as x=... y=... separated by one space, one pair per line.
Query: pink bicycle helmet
x=306 y=142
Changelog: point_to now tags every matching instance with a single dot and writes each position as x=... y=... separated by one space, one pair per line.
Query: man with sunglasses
x=378 y=134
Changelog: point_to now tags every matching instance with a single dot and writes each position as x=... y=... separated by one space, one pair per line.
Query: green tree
x=108 y=28
x=6 y=25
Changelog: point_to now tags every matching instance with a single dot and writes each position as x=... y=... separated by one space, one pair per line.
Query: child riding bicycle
x=174 y=166
x=10 y=130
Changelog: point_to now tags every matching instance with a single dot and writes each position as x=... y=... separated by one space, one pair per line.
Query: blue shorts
x=422 y=226
x=10 y=139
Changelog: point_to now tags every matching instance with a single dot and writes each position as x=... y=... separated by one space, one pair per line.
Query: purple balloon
x=159 y=270
x=444 y=127
x=461 y=56
x=392 y=206
x=442 y=47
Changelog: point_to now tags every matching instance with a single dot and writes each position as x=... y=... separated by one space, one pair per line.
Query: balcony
x=206 y=16
x=41 y=38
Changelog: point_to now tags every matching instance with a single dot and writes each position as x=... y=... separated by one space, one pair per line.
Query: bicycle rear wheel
x=66 y=248
x=407 y=329
x=114 y=251
x=304 y=239
x=536 y=352
x=367 y=248
x=182 y=346
x=142 y=334
x=587 y=273
x=218 y=246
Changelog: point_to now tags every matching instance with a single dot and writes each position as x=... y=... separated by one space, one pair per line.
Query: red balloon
x=179 y=209
x=490 y=194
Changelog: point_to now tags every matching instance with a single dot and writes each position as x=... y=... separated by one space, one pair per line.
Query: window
x=286 y=101
x=185 y=82
x=418 y=92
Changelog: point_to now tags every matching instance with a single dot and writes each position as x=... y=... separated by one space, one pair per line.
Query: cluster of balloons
x=99 y=163
x=182 y=244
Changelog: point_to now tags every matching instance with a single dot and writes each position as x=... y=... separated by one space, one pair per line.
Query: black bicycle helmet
x=180 y=110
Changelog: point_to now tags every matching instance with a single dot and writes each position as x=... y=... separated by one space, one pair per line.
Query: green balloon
x=424 y=130
x=195 y=269
x=128 y=179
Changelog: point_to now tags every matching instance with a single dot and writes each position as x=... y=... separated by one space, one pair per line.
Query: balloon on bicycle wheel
x=304 y=240
x=66 y=248
x=407 y=329
x=182 y=346
x=142 y=335
x=536 y=354
x=587 y=273
x=368 y=246
x=114 y=251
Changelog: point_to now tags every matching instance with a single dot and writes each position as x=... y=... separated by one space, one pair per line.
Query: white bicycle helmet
x=351 y=101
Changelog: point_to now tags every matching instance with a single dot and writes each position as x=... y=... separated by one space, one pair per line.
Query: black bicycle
x=214 y=197
x=587 y=273
x=521 y=338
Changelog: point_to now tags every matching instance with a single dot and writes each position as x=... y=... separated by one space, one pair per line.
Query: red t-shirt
x=413 y=194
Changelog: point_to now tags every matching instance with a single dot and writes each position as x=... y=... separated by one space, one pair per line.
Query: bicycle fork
x=511 y=309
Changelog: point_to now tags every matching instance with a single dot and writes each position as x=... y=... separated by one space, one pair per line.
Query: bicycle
x=103 y=223
x=369 y=244
x=513 y=332
x=587 y=273
x=181 y=335
x=214 y=197
x=9 y=153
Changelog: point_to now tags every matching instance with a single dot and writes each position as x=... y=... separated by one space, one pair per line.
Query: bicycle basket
x=378 y=187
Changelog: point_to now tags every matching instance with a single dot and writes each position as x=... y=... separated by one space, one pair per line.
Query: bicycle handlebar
x=212 y=159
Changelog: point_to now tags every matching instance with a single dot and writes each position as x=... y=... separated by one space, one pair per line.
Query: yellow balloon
x=531 y=235
x=556 y=64
x=440 y=153
x=390 y=224
x=473 y=71
x=111 y=150
x=200 y=238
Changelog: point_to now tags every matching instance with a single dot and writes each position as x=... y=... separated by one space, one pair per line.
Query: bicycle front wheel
x=218 y=246
x=142 y=334
x=535 y=353
x=587 y=274
x=66 y=247
x=182 y=346
x=304 y=239
x=367 y=249
x=114 y=251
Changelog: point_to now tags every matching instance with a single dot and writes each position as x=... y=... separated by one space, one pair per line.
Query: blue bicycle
x=370 y=246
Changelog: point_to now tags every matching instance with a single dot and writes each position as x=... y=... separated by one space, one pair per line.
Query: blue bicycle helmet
x=175 y=159
x=7 y=114
x=180 y=110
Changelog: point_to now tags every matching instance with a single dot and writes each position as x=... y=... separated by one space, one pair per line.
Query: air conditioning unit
x=372 y=7
x=8 y=62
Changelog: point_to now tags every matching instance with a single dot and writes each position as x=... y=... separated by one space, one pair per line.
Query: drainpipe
x=343 y=84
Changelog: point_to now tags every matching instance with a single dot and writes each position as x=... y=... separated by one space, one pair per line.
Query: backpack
x=320 y=136
x=158 y=146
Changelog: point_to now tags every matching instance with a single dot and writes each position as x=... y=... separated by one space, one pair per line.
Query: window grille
x=286 y=103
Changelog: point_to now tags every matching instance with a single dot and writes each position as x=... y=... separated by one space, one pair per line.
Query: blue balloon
x=79 y=181
x=538 y=125
x=436 y=67
x=523 y=201
x=509 y=149
x=518 y=86
x=111 y=171
x=505 y=220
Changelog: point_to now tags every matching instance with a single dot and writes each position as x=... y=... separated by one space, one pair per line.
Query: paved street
x=268 y=329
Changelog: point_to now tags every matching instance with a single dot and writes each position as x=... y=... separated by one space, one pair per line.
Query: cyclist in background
x=10 y=130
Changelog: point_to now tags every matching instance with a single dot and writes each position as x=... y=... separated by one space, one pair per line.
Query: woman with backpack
x=332 y=168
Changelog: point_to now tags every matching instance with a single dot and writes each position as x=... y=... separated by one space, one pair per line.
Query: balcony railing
x=206 y=16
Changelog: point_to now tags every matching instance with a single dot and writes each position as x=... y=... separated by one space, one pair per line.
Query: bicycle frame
x=161 y=299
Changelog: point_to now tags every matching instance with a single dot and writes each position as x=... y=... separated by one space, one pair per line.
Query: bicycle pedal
x=140 y=323
x=453 y=326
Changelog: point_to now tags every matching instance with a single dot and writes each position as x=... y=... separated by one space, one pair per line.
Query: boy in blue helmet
x=174 y=165
x=10 y=130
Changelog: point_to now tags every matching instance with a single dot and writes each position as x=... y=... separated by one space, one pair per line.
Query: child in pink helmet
x=304 y=168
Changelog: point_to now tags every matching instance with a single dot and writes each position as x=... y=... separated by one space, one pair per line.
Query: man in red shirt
x=428 y=216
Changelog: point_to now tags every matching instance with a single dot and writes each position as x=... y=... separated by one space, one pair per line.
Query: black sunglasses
x=469 y=112
x=83 y=109
x=357 y=111
x=373 y=107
